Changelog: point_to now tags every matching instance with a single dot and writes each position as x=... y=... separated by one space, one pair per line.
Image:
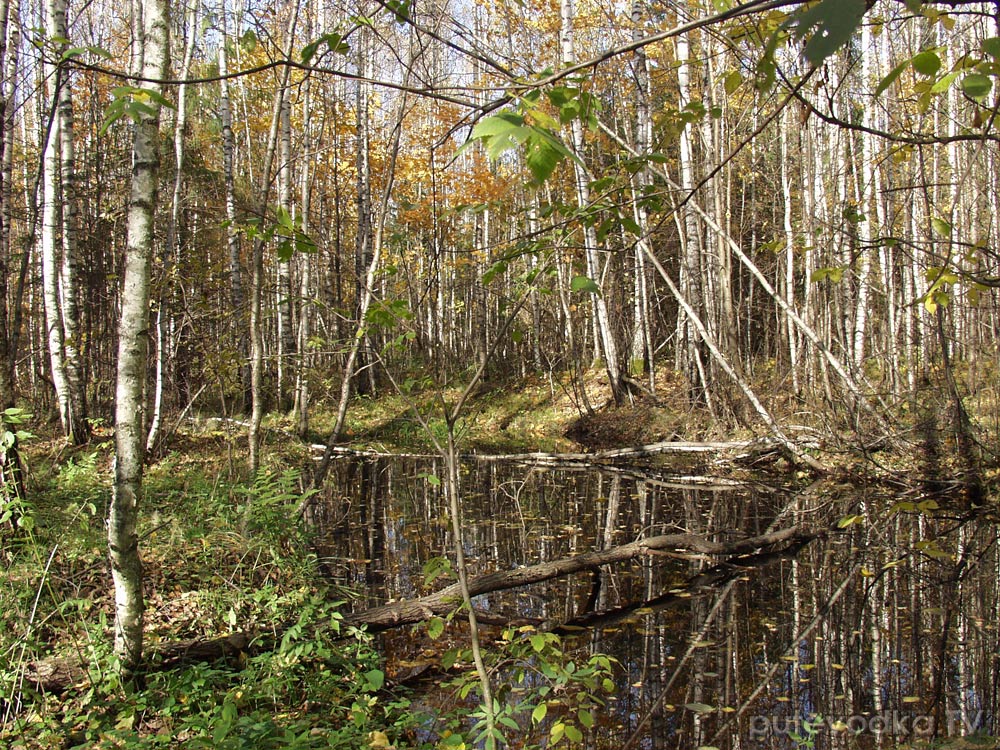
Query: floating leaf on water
x=699 y=708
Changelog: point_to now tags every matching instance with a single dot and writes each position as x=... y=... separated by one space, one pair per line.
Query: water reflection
x=884 y=630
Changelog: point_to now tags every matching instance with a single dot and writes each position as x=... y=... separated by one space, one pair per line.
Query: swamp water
x=882 y=632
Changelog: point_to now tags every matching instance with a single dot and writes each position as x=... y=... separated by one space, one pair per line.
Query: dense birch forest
x=350 y=198
x=778 y=217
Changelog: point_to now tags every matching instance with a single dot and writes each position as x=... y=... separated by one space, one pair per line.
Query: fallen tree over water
x=411 y=611
x=57 y=674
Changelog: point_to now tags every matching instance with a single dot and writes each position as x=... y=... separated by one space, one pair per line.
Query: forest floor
x=536 y=414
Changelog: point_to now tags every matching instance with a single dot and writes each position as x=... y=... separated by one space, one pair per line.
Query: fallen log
x=412 y=611
x=57 y=674
x=710 y=579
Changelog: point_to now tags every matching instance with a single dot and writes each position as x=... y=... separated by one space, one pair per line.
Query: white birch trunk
x=173 y=248
x=691 y=244
x=52 y=223
x=789 y=329
x=602 y=325
x=286 y=333
x=236 y=295
x=123 y=541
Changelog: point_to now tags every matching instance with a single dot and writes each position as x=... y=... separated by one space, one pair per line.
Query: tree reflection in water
x=882 y=631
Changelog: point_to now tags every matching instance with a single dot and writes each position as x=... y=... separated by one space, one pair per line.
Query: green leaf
x=542 y=157
x=976 y=85
x=495 y=270
x=584 y=284
x=832 y=23
x=400 y=9
x=539 y=713
x=498 y=124
x=248 y=41
x=334 y=42
x=573 y=734
x=631 y=226
x=435 y=627
x=448 y=658
x=892 y=76
x=834 y=274
x=944 y=83
x=73 y=52
x=375 y=678
x=225 y=722
x=113 y=114
x=991 y=47
x=732 y=81
x=926 y=63
x=941 y=226
x=586 y=718
x=556 y=732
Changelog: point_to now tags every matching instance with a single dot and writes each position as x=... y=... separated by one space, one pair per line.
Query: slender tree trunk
x=642 y=343
x=130 y=433
x=602 y=323
x=11 y=475
x=58 y=239
x=256 y=290
x=789 y=329
x=236 y=297
x=363 y=250
x=257 y=275
x=366 y=290
x=172 y=251
x=284 y=306
x=52 y=223
x=688 y=343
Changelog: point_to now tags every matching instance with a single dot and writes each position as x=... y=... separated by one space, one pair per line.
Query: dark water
x=880 y=632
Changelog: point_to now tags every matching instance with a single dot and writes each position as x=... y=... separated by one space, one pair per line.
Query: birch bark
x=173 y=248
x=133 y=335
x=11 y=477
x=236 y=296
x=59 y=236
x=602 y=323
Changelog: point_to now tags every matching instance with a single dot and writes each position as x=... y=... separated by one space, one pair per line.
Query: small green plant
x=14 y=510
x=806 y=739
x=542 y=687
x=271 y=498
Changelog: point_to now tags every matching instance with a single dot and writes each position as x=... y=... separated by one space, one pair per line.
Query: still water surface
x=877 y=633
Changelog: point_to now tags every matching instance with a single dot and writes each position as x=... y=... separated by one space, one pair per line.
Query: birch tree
x=11 y=477
x=59 y=235
x=604 y=333
x=153 y=39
